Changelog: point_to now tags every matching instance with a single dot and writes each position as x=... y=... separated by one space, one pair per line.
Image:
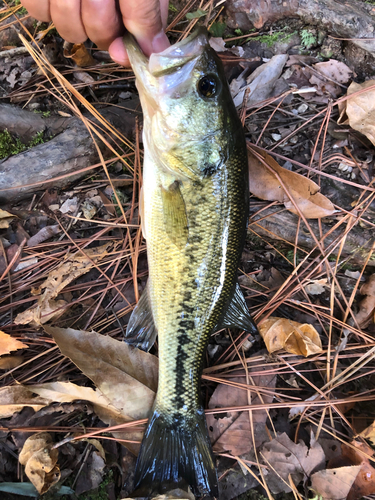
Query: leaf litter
x=245 y=391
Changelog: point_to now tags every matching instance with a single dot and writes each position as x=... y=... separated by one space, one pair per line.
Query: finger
x=38 y=9
x=66 y=14
x=118 y=53
x=102 y=21
x=143 y=19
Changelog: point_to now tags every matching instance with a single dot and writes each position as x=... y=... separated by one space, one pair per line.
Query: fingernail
x=160 y=42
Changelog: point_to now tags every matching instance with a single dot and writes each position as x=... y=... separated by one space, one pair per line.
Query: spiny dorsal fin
x=141 y=331
x=175 y=218
x=238 y=315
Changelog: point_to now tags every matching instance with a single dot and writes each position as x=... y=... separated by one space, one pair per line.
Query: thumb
x=145 y=19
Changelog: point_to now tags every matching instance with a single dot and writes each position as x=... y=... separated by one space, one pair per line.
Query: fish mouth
x=159 y=74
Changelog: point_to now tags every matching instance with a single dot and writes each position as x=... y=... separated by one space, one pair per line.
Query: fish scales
x=185 y=280
x=194 y=210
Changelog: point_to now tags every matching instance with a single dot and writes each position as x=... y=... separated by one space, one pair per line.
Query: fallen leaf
x=366 y=312
x=231 y=431
x=9 y=344
x=67 y=271
x=364 y=483
x=80 y=55
x=316 y=287
x=9 y=362
x=15 y=397
x=126 y=375
x=359 y=110
x=66 y=392
x=369 y=433
x=260 y=83
x=334 y=484
x=91 y=475
x=265 y=185
x=40 y=461
x=293 y=337
x=5 y=219
x=334 y=69
x=287 y=457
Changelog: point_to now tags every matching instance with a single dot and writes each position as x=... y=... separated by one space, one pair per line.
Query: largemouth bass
x=194 y=211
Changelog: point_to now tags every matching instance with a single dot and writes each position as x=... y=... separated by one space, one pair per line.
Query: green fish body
x=194 y=211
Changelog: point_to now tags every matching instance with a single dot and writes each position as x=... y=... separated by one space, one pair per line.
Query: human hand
x=104 y=21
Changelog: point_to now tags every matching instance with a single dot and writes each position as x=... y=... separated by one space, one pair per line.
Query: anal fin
x=238 y=314
x=174 y=212
x=141 y=331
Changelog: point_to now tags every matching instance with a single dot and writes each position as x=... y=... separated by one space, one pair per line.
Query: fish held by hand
x=194 y=210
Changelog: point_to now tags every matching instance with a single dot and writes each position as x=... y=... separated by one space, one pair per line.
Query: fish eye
x=208 y=86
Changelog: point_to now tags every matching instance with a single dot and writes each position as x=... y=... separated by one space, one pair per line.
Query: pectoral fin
x=238 y=315
x=141 y=331
x=175 y=218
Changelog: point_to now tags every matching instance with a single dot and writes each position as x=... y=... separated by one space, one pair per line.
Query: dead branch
x=70 y=150
x=276 y=223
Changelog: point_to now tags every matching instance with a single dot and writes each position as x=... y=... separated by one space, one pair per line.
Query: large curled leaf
x=265 y=185
x=125 y=375
x=293 y=337
x=40 y=461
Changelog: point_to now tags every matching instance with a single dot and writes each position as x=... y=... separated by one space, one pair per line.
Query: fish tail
x=176 y=455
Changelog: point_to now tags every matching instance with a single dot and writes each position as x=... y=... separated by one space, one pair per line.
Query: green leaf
x=238 y=32
x=29 y=490
x=196 y=14
x=217 y=29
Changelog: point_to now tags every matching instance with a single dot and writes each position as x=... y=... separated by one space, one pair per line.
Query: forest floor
x=290 y=411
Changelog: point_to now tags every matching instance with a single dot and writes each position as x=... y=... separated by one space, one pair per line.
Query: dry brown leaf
x=66 y=392
x=359 y=110
x=336 y=70
x=369 y=433
x=265 y=185
x=334 y=484
x=232 y=431
x=5 y=219
x=366 y=312
x=15 y=397
x=79 y=55
x=364 y=483
x=293 y=337
x=287 y=458
x=127 y=376
x=40 y=461
x=9 y=362
x=70 y=269
x=9 y=344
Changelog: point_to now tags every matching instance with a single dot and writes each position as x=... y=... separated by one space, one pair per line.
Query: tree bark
x=344 y=19
x=70 y=150
x=276 y=223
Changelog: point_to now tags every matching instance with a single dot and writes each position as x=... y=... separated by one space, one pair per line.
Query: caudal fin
x=176 y=454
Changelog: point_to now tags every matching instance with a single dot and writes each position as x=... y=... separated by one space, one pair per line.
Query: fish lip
x=147 y=70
